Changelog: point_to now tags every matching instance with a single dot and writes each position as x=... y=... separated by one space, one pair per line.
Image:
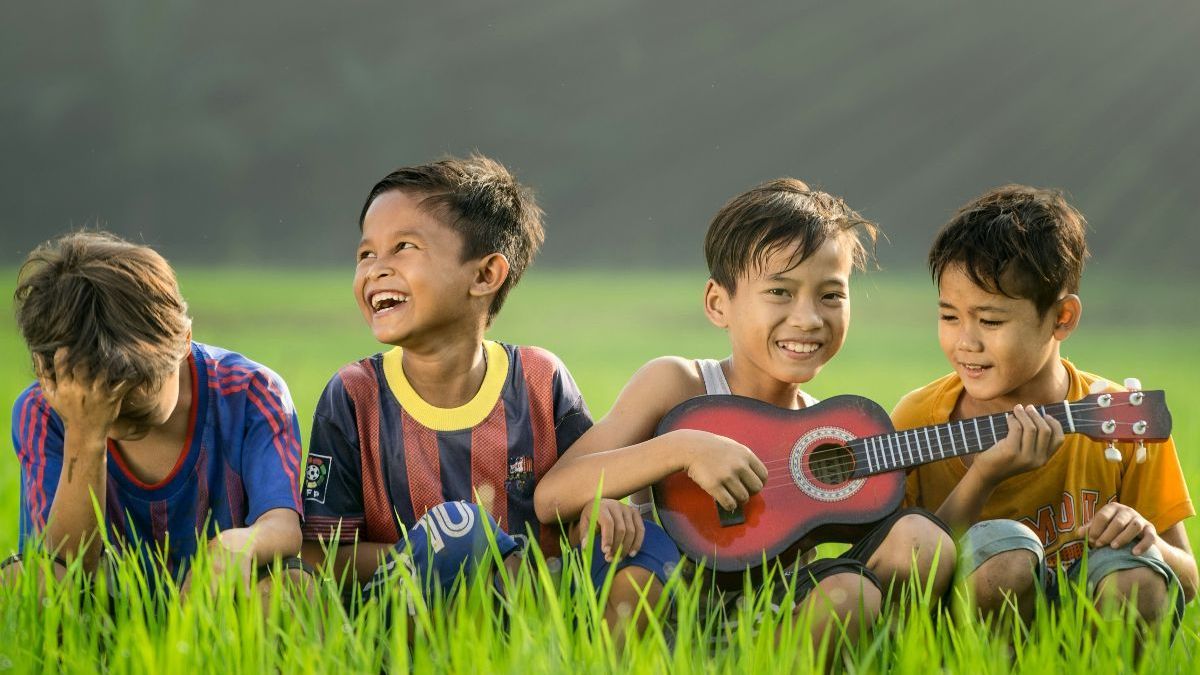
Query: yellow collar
x=464 y=416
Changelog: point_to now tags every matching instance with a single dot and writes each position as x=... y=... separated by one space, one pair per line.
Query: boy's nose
x=967 y=342
x=805 y=316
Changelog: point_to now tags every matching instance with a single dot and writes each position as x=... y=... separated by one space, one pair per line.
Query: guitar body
x=808 y=497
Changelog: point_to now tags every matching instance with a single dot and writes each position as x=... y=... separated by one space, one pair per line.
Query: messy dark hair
x=1017 y=241
x=774 y=216
x=114 y=305
x=481 y=200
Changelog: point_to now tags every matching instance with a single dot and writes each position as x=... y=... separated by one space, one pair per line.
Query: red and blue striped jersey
x=380 y=456
x=241 y=458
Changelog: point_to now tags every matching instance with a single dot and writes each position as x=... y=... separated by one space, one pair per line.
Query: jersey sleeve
x=333 y=495
x=270 y=460
x=37 y=436
x=1156 y=489
x=571 y=415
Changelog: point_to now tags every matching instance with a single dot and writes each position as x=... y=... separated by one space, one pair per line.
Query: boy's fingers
x=751 y=480
x=1131 y=531
x=737 y=490
x=1146 y=541
x=722 y=497
x=630 y=530
x=605 y=521
x=1115 y=527
x=639 y=533
x=759 y=469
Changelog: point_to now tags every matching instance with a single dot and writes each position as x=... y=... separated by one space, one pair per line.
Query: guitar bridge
x=730 y=518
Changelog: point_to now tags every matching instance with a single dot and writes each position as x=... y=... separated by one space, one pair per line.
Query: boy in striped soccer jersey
x=1008 y=267
x=407 y=442
x=181 y=444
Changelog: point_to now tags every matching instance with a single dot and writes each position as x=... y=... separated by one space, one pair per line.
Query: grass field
x=604 y=324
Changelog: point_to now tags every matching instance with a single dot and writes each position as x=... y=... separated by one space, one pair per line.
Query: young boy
x=179 y=444
x=405 y=442
x=779 y=257
x=1008 y=266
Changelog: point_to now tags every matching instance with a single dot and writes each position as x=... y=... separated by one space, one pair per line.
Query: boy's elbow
x=544 y=505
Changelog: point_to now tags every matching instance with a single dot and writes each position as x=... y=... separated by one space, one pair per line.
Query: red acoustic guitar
x=835 y=467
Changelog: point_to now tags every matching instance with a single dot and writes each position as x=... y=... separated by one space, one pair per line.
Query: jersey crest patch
x=316 y=477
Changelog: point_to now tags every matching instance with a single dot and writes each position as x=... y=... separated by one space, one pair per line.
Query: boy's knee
x=848 y=595
x=1142 y=585
x=916 y=542
x=1009 y=574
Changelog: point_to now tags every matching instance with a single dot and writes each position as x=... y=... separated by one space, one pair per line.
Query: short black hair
x=1018 y=241
x=773 y=216
x=481 y=200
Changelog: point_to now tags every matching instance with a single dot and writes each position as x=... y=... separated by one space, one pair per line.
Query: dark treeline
x=248 y=132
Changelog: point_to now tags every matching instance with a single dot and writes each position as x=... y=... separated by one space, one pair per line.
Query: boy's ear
x=490 y=274
x=1067 y=314
x=716 y=304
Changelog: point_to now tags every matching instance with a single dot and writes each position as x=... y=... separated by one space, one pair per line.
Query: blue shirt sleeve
x=37 y=436
x=270 y=458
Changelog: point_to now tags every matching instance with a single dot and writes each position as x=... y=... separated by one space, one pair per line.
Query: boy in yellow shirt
x=1008 y=266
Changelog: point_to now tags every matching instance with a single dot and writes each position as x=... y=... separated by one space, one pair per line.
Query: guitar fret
x=978 y=436
x=927 y=443
x=963 y=432
x=883 y=451
x=950 y=432
x=992 y=421
x=911 y=455
x=937 y=434
x=892 y=451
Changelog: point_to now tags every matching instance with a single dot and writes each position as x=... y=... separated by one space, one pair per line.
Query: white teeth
x=385 y=299
x=800 y=347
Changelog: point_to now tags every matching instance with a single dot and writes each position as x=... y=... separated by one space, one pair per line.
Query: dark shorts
x=805 y=578
x=658 y=555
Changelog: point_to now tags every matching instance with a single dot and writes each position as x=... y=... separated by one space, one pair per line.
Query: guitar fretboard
x=913 y=447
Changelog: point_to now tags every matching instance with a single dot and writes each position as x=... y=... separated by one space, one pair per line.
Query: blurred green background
x=249 y=132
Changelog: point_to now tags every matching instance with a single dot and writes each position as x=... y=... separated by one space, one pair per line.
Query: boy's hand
x=1031 y=441
x=621 y=528
x=86 y=405
x=724 y=468
x=229 y=549
x=1116 y=525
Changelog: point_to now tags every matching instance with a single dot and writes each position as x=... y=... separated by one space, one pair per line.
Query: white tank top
x=716 y=384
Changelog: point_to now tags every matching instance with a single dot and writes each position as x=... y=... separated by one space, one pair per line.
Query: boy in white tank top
x=779 y=257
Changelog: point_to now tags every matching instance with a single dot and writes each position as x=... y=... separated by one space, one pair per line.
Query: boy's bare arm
x=361 y=559
x=1118 y=525
x=619 y=455
x=87 y=408
x=1032 y=439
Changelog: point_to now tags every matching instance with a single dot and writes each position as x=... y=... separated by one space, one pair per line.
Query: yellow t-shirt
x=1065 y=493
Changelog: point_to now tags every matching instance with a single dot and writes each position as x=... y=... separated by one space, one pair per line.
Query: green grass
x=604 y=324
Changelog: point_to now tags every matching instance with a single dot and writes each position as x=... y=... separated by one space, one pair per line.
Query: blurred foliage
x=248 y=133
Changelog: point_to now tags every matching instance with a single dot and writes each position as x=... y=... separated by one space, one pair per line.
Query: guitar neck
x=913 y=447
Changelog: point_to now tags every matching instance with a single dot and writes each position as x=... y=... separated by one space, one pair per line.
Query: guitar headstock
x=1123 y=416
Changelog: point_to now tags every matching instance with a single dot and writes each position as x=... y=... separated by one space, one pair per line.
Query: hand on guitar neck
x=1032 y=440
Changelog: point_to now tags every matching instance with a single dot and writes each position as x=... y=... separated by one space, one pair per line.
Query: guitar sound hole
x=831 y=464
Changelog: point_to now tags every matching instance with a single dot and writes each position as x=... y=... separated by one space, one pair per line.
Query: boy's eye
x=405 y=244
x=948 y=317
x=835 y=296
x=779 y=292
x=990 y=322
x=363 y=255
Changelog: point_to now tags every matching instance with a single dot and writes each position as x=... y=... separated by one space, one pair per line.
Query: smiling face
x=1004 y=351
x=411 y=283
x=785 y=324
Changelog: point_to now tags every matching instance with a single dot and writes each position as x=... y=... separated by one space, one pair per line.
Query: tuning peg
x=1098 y=387
x=1111 y=453
x=1140 y=456
x=1133 y=384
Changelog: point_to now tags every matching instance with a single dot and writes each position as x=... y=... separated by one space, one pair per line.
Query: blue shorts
x=992 y=537
x=658 y=555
